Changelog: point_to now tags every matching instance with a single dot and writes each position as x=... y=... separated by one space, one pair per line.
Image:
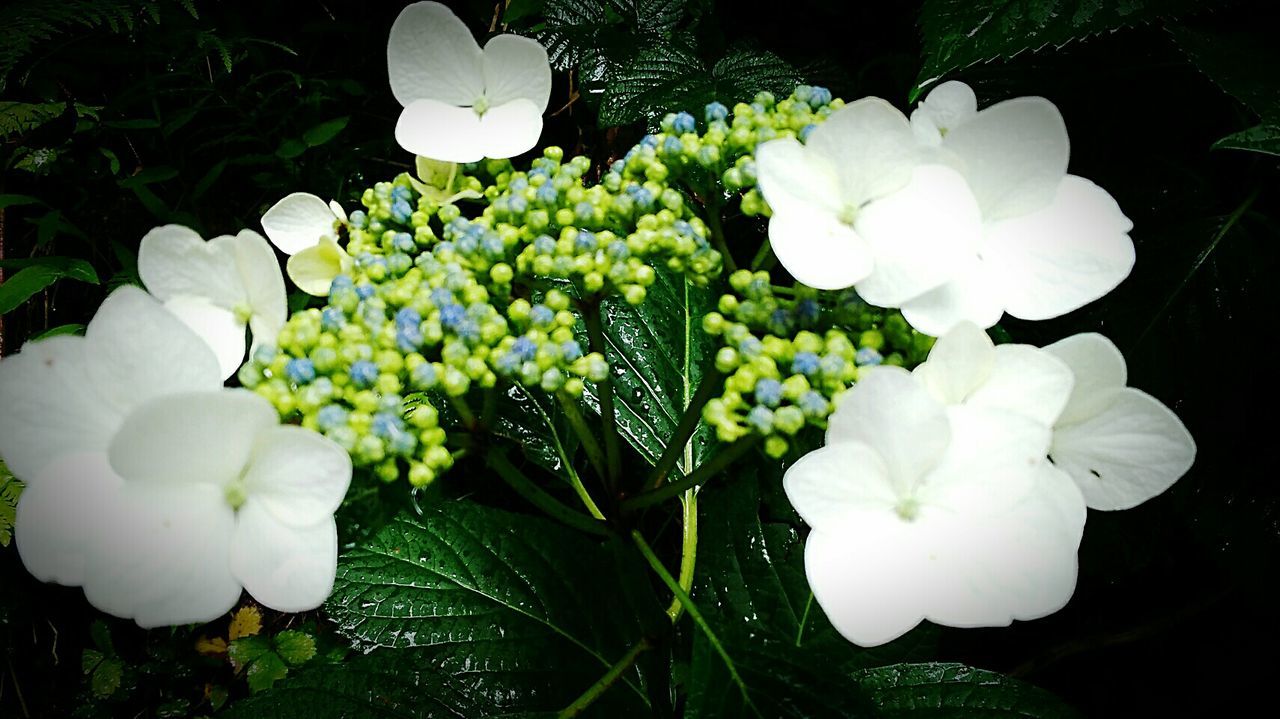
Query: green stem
x=536 y=496
x=490 y=407
x=717 y=236
x=699 y=476
x=804 y=619
x=683 y=597
x=688 y=552
x=685 y=428
x=763 y=257
x=593 y=692
x=579 y=424
x=583 y=494
x=612 y=446
x=464 y=410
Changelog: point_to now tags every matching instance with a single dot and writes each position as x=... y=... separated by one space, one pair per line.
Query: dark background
x=1174 y=614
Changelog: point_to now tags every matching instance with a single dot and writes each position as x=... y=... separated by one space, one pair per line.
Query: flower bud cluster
x=719 y=148
x=787 y=359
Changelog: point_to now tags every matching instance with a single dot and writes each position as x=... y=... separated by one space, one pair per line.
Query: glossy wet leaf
x=10 y=491
x=295 y=647
x=753 y=590
x=525 y=614
x=536 y=424
x=658 y=354
x=960 y=33
x=31 y=279
x=1263 y=138
x=954 y=691
x=265 y=671
x=1243 y=64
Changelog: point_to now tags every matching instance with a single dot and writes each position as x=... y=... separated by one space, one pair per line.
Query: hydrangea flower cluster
x=788 y=360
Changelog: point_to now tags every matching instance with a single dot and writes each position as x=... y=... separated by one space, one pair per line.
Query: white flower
x=67 y=396
x=1119 y=444
x=302 y=226
x=921 y=511
x=853 y=207
x=210 y=495
x=216 y=287
x=1050 y=242
x=461 y=103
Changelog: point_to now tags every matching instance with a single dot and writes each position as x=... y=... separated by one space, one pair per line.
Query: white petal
x=314 y=268
x=818 y=249
x=1132 y=450
x=972 y=296
x=1028 y=381
x=219 y=328
x=918 y=235
x=1063 y=256
x=298 y=222
x=50 y=408
x=440 y=131
x=958 y=364
x=510 y=129
x=1013 y=154
x=891 y=411
x=285 y=568
x=163 y=557
x=337 y=211
x=191 y=438
x=57 y=515
x=263 y=283
x=140 y=350
x=432 y=55
x=874 y=578
x=516 y=68
x=948 y=105
x=794 y=179
x=297 y=475
x=990 y=464
x=1098 y=367
x=173 y=260
x=871 y=145
x=828 y=482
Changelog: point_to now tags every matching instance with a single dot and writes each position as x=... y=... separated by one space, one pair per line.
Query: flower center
x=481 y=105
x=236 y=493
x=847 y=214
x=242 y=312
x=908 y=509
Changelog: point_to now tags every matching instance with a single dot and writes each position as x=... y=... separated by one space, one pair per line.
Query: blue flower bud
x=365 y=291
x=401 y=211
x=684 y=122
x=363 y=373
x=386 y=425
x=806 y=131
x=750 y=347
x=761 y=418
x=542 y=316
x=585 y=241
x=547 y=194
x=400 y=192
x=264 y=354
x=821 y=96
x=300 y=371
x=441 y=297
x=524 y=348
x=768 y=392
x=404 y=243
x=330 y=417
x=408 y=317
x=813 y=404
x=805 y=363
x=341 y=282
x=452 y=315
x=424 y=376
x=868 y=356
x=571 y=350
x=358 y=219
x=715 y=111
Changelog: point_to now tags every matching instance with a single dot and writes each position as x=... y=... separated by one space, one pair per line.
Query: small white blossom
x=217 y=287
x=303 y=227
x=924 y=511
x=462 y=103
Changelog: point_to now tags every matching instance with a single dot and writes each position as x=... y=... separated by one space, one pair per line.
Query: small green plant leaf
x=266 y=670
x=295 y=647
x=954 y=691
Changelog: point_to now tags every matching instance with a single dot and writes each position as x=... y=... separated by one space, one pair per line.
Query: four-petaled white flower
x=154 y=488
x=1120 y=444
x=852 y=207
x=924 y=511
x=461 y=103
x=216 y=287
x=303 y=227
x=1050 y=242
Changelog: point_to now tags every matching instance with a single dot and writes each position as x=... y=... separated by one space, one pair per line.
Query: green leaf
x=210 y=177
x=104 y=672
x=10 y=490
x=759 y=603
x=149 y=176
x=28 y=281
x=265 y=671
x=19 y=118
x=295 y=647
x=532 y=422
x=955 y=691
x=17 y=200
x=960 y=33
x=244 y=650
x=290 y=149
x=325 y=131
x=60 y=330
x=1263 y=138
x=667 y=78
x=101 y=635
x=660 y=355
x=600 y=33
x=383 y=684
x=520 y=9
x=543 y=609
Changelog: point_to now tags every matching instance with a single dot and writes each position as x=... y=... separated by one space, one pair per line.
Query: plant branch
x=536 y=496
x=717 y=235
x=594 y=692
x=612 y=447
x=590 y=445
x=685 y=428
x=688 y=551
x=683 y=597
x=697 y=478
